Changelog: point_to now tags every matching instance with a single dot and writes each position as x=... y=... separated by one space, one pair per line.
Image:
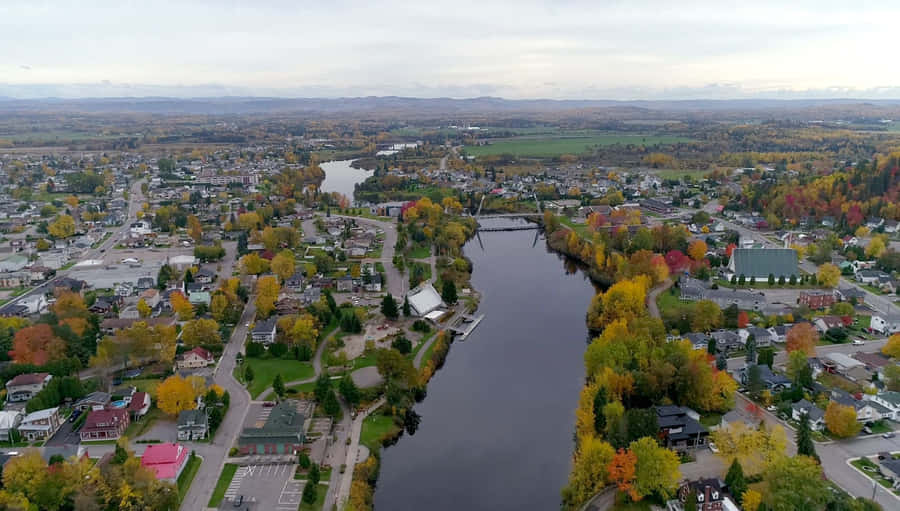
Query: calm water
x=497 y=425
x=341 y=177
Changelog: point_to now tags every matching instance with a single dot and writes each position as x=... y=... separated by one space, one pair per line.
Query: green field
x=374 y=427
x=549 y=147
x=265 y=369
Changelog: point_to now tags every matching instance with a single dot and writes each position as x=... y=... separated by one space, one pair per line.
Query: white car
x=858 y=342
x=129 y=260
x=713 y=448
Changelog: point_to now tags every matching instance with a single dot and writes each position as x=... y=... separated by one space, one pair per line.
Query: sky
x=557 y=49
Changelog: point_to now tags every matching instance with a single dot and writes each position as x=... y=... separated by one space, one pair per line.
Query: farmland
x=549 y=147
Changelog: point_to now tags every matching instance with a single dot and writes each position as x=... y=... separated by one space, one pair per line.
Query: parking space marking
x=235 y=485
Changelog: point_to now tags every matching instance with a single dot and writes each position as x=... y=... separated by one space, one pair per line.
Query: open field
x=265 y=369
x=548 y=147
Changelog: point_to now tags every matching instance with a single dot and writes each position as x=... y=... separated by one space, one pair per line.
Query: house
x=699 y=341
x=166 y=461
x=105 y=424
x=889 y=400
x=727 y=340
x=678 y=429
x=295 y=282
x=197 y=357
x=885 y=323
x=93 y=401
x=40 y=425
x=874 y=362
x=282 y=432
x=709 y=494
x=109 y=326
x=779 y=333
x=101 y=306
x=139 y=405
x=130 y=312
x=145 y=283
x=204 y=276
x=850 y=293
x=9 y=420
x=761 y=336
x=762 y=262
x=870 y=277
x=264 y=331
x=772 y=381
x=816 y=299
x=192 y=425
x=815 y=414
x=866 y=410
x=839 y=363
x=24 y=386
x=890 y=467
x=826 y=323
x=345 y=284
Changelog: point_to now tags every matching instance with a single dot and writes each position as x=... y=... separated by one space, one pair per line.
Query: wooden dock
x=465 y=325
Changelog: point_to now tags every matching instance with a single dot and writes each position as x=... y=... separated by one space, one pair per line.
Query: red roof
x=200 y=352
x=104 y=419
x=164 y=459
x=138 y=401
x=28 y=379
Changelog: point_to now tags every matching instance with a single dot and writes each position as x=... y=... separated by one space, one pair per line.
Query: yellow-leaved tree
x=175 y=395
x=841 y=420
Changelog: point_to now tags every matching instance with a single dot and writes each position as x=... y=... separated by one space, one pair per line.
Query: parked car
x=867 y=430
x=713 y=448
x=889 y=434
x=858 y=342
x=74 y=416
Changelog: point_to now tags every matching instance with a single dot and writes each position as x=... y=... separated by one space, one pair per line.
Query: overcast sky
x=598 y=49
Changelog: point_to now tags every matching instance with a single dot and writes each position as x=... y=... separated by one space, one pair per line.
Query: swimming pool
x=119 y=404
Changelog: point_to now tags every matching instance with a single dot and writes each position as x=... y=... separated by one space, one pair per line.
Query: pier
x=465 y=324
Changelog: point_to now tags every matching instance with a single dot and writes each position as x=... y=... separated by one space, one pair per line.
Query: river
x=497 y=425
x=340 y=177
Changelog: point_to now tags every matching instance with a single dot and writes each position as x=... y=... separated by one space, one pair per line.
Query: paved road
x=654 y=292
x=396 y=282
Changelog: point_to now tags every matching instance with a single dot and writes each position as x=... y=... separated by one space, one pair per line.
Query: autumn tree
x=624 y=300
x=828 y=275
x=697 y=250
x=751 y=500
x=283 y=264
x=754 y=448
x=143 y=309
x=175 y=394
x=707 y=316
x=589 y=470
x=803 y=337
x=267 y=289
x=253 y=264
x=195 y=230
x=181 y=305
x=892 y=347
x=37 y=345
x=201 y=332
x=657 y=470
x=137 y=344
x=622 y=472
x=874 y=249
x=304 y=332
x=841 y=420
x=63 y=227
x=795 y=483
x=70 y=305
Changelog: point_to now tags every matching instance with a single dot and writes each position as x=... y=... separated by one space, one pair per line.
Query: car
x=713 y=448
x=889 y=434
x=74 y=416
x=238 y=501
x=269 y=404
x=858 y=342
x=771 y=408
x=247 y=324
x=867 y=430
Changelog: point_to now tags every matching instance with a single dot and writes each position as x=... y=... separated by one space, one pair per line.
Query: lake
x=340 y=177
x=497 y=425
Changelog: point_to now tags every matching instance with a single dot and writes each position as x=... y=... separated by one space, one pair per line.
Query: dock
x=465 y=325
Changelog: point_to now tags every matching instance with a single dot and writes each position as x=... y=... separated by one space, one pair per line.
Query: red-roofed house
x=105 y=424
x=139 y=405
x=165 y=460
x=197 y=357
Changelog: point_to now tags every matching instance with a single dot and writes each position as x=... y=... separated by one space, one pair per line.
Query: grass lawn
x=549 y=147
x=374 y=428
x=147 y=385
x=424 y=341
x=419 y=252
x=879 y=427
x=138 y=428
x=222 y=484
x=320 y=498
x=265 y=369
x=365 y=360
x=187 y=476
x=622 y=504
x=666 y=301
x=711 y=419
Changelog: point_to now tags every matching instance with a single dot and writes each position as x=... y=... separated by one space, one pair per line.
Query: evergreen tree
x=331 y=405
x=751 y=350
x=448 y=292
x=389 y=307
x=349 y=391
x=805 y=444
x=248 y=373
x=737 y=485
x=323 y=385
x=711 y=346
x=242 y=243
x=406 y=310
x=721 y=362
x=278 y=386
x=309 y=492
x=314 y=474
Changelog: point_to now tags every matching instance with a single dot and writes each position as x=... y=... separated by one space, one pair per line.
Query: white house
x=890 y=400
x=815 y=414
x=885 y=323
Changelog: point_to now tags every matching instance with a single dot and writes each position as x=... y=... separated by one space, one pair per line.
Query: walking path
x=352 y=452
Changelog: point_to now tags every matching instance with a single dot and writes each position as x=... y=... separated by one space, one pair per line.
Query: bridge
x=527 y=227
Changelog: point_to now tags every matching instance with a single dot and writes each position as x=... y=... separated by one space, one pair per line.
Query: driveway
x=64 y=435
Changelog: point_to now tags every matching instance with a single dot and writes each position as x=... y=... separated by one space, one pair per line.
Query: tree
x=402 y=344
x=892 y=347
x=389 y=307
x=751 y=349
x=283 y=264
x=267 y=289
x=182 y=306
x=395 y=368
x=143 y=309
x=828 y=275
x=406 y=309
x=874 y=249
x=309 y=493
x=278 y=386
x=322 y=386
x=657 y=471
x=331 y=406
x=697 y=250
x=621 y=472
x=252 y=264
x=803 y=337
x=711 y=346
x=37 y=345
x=798 y=369
x=737 y=485
x=176 y=394
x=805 y=445
x=63 y=227
x=349 y=391
x=448 y=292
x=707 y=316
x=795 y=483
x=589 y=470
x=751 y=500
x=841 y=420
x=304 y=331
x=201 y=332
x=754 y=448
x=248 y=374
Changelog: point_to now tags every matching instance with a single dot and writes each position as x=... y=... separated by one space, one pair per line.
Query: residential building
x=826 y=323
x=678 y=429
x=93 y=401
x=282 y=433
x=816 y=299
x=197 y=357
x=772 y=381
x=709 y=494
x=192 y=425
x=139 y=405
x=166 y=461
x=885 y=323
x=761 y=336
x=264 y=331
x=24 y=386
x=889 y=400
x=816 y=415
x=107 y=424
x=40 y=425
x=9 y=420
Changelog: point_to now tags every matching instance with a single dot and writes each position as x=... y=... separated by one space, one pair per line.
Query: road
x=396 y=282
x=352 y=450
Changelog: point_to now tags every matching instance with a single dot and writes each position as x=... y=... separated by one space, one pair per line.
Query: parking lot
x=269 y=487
